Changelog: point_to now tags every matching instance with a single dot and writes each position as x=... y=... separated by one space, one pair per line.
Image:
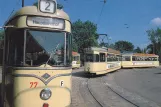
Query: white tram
x=139 y=60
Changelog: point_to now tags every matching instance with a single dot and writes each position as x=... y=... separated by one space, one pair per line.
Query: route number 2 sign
x=47 y=6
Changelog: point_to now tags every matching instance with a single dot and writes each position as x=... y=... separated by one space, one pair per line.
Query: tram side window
x=89 y=58
x=75 y=58
x=109 y=58
x=15 y=51
x=96 y=58
x=126 y=58
x=102 y=57
x=133 y=58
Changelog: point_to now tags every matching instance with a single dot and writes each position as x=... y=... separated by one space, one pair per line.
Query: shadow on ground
x=85 y=75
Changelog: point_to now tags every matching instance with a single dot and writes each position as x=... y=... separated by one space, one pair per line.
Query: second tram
x=101 y=60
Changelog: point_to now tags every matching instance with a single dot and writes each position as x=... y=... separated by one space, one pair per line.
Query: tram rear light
x=45 y=105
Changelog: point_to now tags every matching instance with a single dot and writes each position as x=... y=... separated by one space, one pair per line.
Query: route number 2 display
x=47 y=6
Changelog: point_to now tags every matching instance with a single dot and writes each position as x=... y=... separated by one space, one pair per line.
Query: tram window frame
x=15 y=43
x=102 y=57
x=96 y=57
x=89 y=58
x=112 y=58
x=19 y=36
x=67 y=54
x=126 y=58
x=109 y=57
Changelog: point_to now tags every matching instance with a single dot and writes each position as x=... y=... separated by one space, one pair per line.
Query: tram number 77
x=33 y=84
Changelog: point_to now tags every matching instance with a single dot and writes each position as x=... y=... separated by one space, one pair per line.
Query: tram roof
x=75 y=53
x=110 y=50
x=33 y=11
x=138 y=54
x=102 y=49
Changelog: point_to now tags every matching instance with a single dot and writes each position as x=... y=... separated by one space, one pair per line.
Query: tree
x=59 y=6
x=138 y=50
x=84 y=35
x=112 y=46
x=155 y=38
x=124 y=46
x=150 y=48
x=104 y=44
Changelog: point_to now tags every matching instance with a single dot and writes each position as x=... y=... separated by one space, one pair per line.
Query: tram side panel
x=101 y=67
x=113 y=66
x=95 y=67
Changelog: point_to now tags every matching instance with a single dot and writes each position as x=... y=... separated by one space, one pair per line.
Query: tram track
x=104 y=95
x=92 y=93
x=118 y=93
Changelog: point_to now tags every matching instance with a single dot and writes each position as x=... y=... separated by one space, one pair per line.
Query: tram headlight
x=45 y=94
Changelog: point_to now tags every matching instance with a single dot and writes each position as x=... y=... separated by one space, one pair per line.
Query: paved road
x=90 y=91
x=144 y=82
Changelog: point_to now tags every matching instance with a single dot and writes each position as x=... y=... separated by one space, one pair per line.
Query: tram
x=76 y=60
x=131 y=60
x=37 y=57
x=101 y=60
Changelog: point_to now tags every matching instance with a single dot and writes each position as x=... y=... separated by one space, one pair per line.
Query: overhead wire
x=99 y=17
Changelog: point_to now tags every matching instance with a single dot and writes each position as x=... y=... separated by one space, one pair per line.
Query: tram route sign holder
x=47 y=6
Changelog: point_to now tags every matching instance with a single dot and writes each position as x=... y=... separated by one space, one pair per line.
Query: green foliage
x=104 y=44
x=155 y=38
x=138 y=50
x=150 y=48
x=59 y=6
x=112 y=46
x=124 y=46
x=36 y=4
x=84 y=35
x=144 y=50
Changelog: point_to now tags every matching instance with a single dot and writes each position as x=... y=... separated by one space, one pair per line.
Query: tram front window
x=47 y=48
x=39 y=47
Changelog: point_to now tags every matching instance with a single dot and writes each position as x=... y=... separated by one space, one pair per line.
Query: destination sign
x=46 y=22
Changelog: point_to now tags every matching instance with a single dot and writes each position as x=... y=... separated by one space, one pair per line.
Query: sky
x=138 y=15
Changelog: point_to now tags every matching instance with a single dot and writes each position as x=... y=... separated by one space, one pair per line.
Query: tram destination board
x=46 y=22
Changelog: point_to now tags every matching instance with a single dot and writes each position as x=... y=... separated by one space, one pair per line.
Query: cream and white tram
x=37 y=59
x=76 y=60
x=101 y=60
x=139 y=60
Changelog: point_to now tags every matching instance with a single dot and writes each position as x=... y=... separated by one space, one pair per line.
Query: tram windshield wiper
x=53 y=52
